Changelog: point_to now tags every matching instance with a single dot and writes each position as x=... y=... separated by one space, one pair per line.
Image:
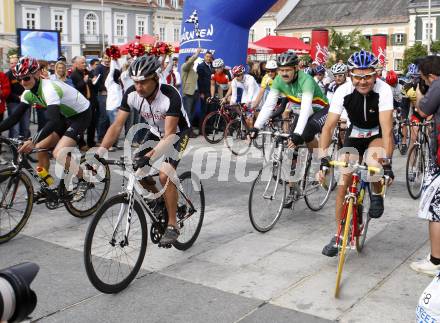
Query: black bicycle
x=17 y=192
x=116 y=240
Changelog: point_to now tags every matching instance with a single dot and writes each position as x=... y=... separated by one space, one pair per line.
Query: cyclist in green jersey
x=67 y=113
x=308 y=101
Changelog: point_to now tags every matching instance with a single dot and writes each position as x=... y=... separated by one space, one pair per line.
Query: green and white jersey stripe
x=52 y=92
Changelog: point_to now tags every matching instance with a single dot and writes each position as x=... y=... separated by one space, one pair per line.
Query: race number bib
x=357 y=132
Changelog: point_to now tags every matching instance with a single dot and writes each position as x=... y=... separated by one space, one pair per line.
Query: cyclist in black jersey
x=369 y=104
x=162 y=108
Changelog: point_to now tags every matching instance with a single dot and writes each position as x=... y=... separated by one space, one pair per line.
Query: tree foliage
x=412 y=53
x=341 y=46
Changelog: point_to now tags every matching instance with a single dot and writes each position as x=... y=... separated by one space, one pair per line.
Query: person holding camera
x=429 y=105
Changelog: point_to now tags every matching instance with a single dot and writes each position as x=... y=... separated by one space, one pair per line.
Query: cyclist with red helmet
x=67 y=110
x=220 y=79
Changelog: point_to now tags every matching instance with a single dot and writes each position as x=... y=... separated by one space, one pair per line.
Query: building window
x=121 y=25
x=398 y=64
x=176 y=34
x=428 y=30
x=59 y=20
x=161 y=33
x=268 y=31
x=91 y=24
x=306 y=40
x=175 y=4
x=399 y=39
x=251 y=35
x=31 y=17
x=161 y=3
x=141 y=25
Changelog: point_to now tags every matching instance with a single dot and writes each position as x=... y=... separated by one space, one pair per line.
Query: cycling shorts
x=360 y=144
x=75 y=126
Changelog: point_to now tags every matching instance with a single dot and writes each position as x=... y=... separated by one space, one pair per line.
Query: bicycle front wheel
x=213 y=127
x=347 y=223
x=363 y=206
x=236 y=137
x=190 y=210
x=113 y=260
x=98 y=187
x=415 y=171
x=266 y=198
x=16 y=201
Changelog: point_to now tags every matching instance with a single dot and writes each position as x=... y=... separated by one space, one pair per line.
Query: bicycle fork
x=122 y=210
x=277 y=161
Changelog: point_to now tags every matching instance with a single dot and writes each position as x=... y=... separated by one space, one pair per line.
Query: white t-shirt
x=114 y=90
x=248 y=85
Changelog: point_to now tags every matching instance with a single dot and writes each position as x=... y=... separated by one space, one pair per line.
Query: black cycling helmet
x=144 y=67
x=288 y=58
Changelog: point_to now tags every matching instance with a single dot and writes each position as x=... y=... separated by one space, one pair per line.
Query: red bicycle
x=215 y=122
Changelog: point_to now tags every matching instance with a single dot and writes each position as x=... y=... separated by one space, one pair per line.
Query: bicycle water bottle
x=44 y=174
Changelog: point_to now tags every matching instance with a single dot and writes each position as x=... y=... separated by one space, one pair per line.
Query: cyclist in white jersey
x=162 y=108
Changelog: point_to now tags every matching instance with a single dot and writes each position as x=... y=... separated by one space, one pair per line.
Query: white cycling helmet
x=339 y=68
x=271 y=65
x=218 y=63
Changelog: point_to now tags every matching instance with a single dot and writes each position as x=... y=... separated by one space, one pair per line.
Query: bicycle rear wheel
x=266 y=198
x=16 y=201
x=189 y=221
x=415 y=171
x=316 y=194
x=236 y=137
x=213 y=127
x=363 y=206
x=347 y=223
x=111 y=261
x=95 y=194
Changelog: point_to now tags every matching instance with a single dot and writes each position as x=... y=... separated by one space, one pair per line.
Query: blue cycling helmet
x=319 y=69
x=362 y=60
x=413 y=70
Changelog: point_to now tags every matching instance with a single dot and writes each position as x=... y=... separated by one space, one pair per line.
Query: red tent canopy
x=144 y=39
x=280 y=44
x=254 y=49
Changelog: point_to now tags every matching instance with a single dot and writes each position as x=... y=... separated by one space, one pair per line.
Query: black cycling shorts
x=314 y=125
x=75 y=126
x=179 y=146
x=361 y=144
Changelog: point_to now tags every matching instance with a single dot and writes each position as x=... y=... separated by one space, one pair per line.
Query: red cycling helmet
x=25 y=66
x=237 y=70
x=391 y=78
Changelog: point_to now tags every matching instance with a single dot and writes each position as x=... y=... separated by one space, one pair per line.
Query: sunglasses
x=271 y=71
x=366 y=77
x=26 y=79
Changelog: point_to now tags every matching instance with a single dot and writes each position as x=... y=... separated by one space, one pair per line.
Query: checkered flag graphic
x=193 y=19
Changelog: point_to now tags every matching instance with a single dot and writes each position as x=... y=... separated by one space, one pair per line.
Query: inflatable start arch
x=220 y=26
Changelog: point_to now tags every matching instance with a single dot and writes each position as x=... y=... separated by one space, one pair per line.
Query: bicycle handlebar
x=356 y=166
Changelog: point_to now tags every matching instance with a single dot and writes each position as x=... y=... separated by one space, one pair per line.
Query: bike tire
x=343 y=247
x=11 y=178
x=183 y=223
x=310 y=185
x=236 y=137
x=219 y=123
x=363 y=207
x=256 y=201
x=94 y=277
x=420 y=167
x=82 y=208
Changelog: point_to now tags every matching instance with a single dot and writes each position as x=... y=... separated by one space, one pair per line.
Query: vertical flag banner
x=379 y=47
x=220 y=26
x=319 y=46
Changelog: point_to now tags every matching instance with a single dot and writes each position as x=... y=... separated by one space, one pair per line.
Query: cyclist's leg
x=168 y=177
x=314 y=126
x=375 y=152
x=43 y=157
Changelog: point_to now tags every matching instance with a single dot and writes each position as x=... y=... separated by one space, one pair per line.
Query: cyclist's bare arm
x=212 y=88
x=386 y=125
x=327 y=132
x=228 y=94
x=114 y=131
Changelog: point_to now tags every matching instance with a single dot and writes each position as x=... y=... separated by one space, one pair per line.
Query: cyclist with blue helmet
x=369 y=104
x=319 y=74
